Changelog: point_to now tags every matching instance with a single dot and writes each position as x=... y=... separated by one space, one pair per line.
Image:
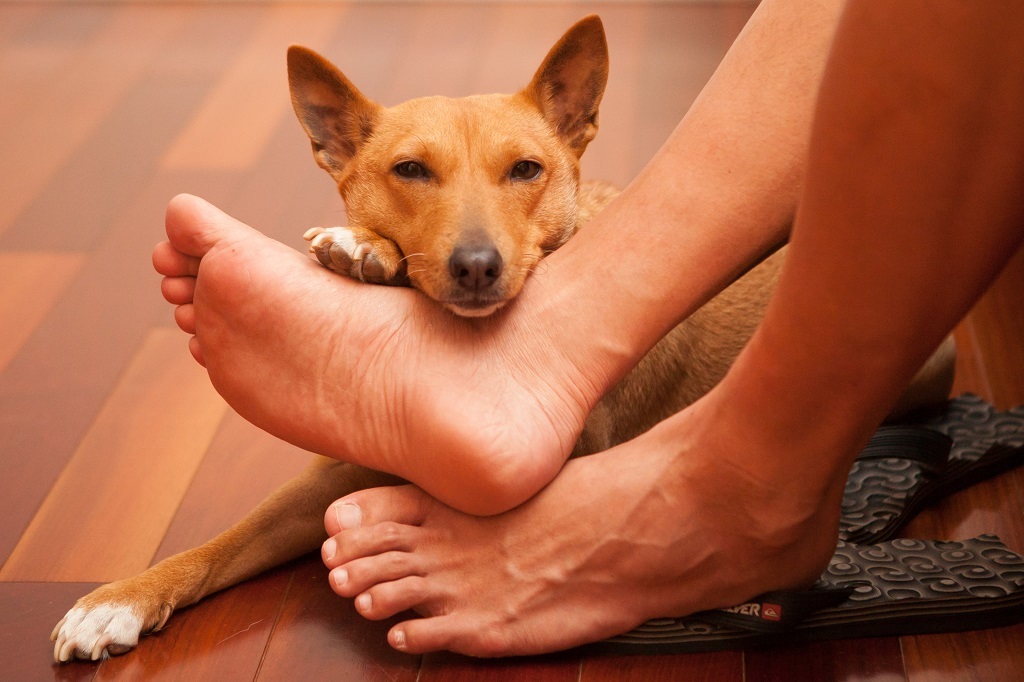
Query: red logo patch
x=771 y=612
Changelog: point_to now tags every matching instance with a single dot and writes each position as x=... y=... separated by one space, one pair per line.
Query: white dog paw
x=337 y=249
x=97 y=632
x=357 y=253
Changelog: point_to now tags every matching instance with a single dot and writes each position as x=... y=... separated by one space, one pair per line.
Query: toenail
x=348 y=515
x=339 y=577
x=330 y=549
x=364 y=602
x=398 y=639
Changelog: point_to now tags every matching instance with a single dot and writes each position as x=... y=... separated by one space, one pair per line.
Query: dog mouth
x=474 y=308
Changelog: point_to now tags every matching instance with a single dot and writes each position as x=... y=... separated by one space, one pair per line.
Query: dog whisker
x=530 y=264
x=411 y=255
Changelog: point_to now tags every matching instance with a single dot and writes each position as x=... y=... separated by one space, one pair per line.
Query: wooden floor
x=114 y=450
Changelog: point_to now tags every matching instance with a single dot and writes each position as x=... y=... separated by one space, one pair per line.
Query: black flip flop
x=875 y=588
x=907 y=467
x=889 y=589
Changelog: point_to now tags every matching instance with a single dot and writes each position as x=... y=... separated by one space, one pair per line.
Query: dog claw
x=97 y=631
x=101 y=647
x=56 y=629
x=338 y=249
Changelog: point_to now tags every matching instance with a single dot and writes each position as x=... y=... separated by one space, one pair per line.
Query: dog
x=460 y=199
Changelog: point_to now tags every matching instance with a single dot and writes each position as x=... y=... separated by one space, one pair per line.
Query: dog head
x=474 y=191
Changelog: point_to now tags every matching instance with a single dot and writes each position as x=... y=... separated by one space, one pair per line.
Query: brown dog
x=459 y=198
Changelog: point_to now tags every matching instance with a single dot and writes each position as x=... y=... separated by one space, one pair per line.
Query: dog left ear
x=568 y=86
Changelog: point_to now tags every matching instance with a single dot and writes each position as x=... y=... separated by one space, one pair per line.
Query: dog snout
x=475 y=267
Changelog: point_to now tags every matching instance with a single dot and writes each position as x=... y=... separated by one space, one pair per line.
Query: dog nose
x=475 y=267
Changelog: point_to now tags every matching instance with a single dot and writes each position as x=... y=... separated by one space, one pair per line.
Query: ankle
x=760 y=488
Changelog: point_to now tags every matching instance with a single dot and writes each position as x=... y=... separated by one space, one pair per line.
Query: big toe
x=194 y=225
x=404 y=504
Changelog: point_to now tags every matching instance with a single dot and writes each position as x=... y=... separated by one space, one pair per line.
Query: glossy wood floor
x=115 y=451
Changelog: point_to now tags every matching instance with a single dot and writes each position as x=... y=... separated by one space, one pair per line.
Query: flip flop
x=986 y=442
x=888 y=589
x=906 y=467
x=876 y=588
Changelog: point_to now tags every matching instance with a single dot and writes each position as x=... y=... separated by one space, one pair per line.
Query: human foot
x=377 y=376
x=659 y=526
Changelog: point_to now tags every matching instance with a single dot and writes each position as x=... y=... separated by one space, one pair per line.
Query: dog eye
x=525 y=170
x=411 y=170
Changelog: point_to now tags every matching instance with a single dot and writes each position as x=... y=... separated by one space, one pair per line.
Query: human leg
x=909 y=212
x=340 y=369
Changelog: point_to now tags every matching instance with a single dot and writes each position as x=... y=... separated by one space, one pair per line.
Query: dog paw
x=100 y=629
x=358 y=254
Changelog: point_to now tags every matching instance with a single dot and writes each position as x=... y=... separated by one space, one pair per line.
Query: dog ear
x=568 y=86
x=336 y=116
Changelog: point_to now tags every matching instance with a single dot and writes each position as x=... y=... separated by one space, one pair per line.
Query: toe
x=185 y=317
x=195 y=226
x=401 y=504
x=360 y=575
x=387 y=599
x=370 y=541
x=423 y=635
x=196 y=350
x=178 y=290
x=460 y=634
x=170 y=262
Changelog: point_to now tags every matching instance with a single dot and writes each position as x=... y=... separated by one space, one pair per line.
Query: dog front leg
x=286 y=525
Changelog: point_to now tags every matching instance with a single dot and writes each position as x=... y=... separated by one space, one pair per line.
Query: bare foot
x=377 y=376
x=661 y=526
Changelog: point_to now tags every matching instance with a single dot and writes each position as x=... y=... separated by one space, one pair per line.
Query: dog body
x=460 y=198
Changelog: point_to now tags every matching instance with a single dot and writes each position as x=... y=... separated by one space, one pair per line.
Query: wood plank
x=989 y=344
x=108 y=511
x=35 y=45
x=980 y=656
x=721 y=666
x=563 y=667
x=240 y=114
x=15 y=19
x=30 y=283
x=320 y=636
x=28 y=612
x=120 y=158
x=516 y=42
x=613 y=156
x=242 y=466
x=875 y=660
x=68 y=108
x=998 y=321
x=684 y=46
x=84 y=344
x=220 y=638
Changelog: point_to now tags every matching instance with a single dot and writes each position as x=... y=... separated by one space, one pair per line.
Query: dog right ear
x=336 y=116
x=568 y=86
